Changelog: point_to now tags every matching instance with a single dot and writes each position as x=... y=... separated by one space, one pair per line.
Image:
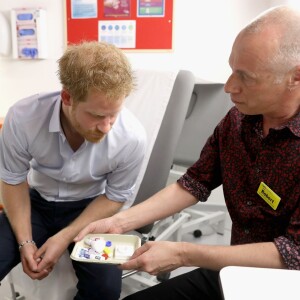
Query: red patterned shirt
x=239 y=157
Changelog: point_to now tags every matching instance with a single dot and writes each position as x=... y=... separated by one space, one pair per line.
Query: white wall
x=203 y=34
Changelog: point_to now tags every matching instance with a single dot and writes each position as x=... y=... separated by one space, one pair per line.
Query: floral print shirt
x=238 y=156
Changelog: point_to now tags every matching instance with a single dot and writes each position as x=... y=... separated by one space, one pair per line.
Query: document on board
x=84 y=9
x=120 y=33
x=116 y=8
x=151 y=8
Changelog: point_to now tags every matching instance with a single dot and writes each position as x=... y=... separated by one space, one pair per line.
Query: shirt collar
x=293 y=125
x=54 y=125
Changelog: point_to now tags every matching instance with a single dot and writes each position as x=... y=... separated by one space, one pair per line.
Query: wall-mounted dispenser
x=29 y=33
x=5 y=36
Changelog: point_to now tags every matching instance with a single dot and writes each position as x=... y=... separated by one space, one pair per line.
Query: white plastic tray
x=115 y=239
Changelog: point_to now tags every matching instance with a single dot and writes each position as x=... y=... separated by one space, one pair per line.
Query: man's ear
x=66 y=97
x=295 y=78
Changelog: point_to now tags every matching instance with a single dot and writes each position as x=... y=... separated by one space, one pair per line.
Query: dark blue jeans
x=95 y=281
x=199 y=284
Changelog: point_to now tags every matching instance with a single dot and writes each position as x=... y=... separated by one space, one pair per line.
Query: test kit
x=105 y=248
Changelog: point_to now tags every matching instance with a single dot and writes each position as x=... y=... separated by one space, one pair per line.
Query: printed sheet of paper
x=84 y=9
x=121 y=33
x=116 y=8
x=151 y=8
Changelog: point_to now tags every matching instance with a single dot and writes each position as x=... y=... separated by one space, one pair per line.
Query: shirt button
x=247 y=231
x=249 y=203
x=257 y=170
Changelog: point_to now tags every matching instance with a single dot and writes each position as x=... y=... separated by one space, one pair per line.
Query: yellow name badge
x=268 y=195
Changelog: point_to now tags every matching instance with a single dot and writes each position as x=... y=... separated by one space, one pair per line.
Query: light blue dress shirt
x=34 y=147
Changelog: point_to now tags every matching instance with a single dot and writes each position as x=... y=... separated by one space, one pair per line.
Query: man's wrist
x=25 y=243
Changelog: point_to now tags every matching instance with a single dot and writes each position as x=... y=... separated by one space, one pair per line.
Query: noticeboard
x=128 y=24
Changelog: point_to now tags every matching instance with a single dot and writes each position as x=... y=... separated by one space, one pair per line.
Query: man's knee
x=98 y=282
x=9 y=254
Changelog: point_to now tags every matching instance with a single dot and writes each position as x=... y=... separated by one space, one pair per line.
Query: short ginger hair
x=95 y=66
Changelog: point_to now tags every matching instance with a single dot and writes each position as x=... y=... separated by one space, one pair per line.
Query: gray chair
x=163 y=152
x=159 y=166
x=209 y=104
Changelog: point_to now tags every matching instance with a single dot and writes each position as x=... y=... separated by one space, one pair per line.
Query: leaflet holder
x=28 y=29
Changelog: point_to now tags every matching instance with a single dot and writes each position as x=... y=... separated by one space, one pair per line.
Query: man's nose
x=232 y=85
x=104 y=125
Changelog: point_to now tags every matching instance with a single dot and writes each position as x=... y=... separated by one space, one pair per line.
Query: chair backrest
x=208 y=106
x=162 y=155
x=161 y=159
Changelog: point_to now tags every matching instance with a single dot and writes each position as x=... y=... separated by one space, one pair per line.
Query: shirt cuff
x=289 y=251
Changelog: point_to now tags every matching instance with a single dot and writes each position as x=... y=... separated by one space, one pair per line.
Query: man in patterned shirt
x=254 y=152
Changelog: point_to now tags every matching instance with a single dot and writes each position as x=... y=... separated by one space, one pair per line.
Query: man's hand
x=156 y=257
x=106 y=225
x=48 y=255
x=30 y=264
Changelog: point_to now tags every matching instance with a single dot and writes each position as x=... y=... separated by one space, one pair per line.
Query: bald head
x=282 y=16
x=265 y=64
x=281 y=26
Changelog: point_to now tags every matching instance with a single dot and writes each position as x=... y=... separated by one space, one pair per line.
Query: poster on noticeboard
x=116 y=8
x=151 y=8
